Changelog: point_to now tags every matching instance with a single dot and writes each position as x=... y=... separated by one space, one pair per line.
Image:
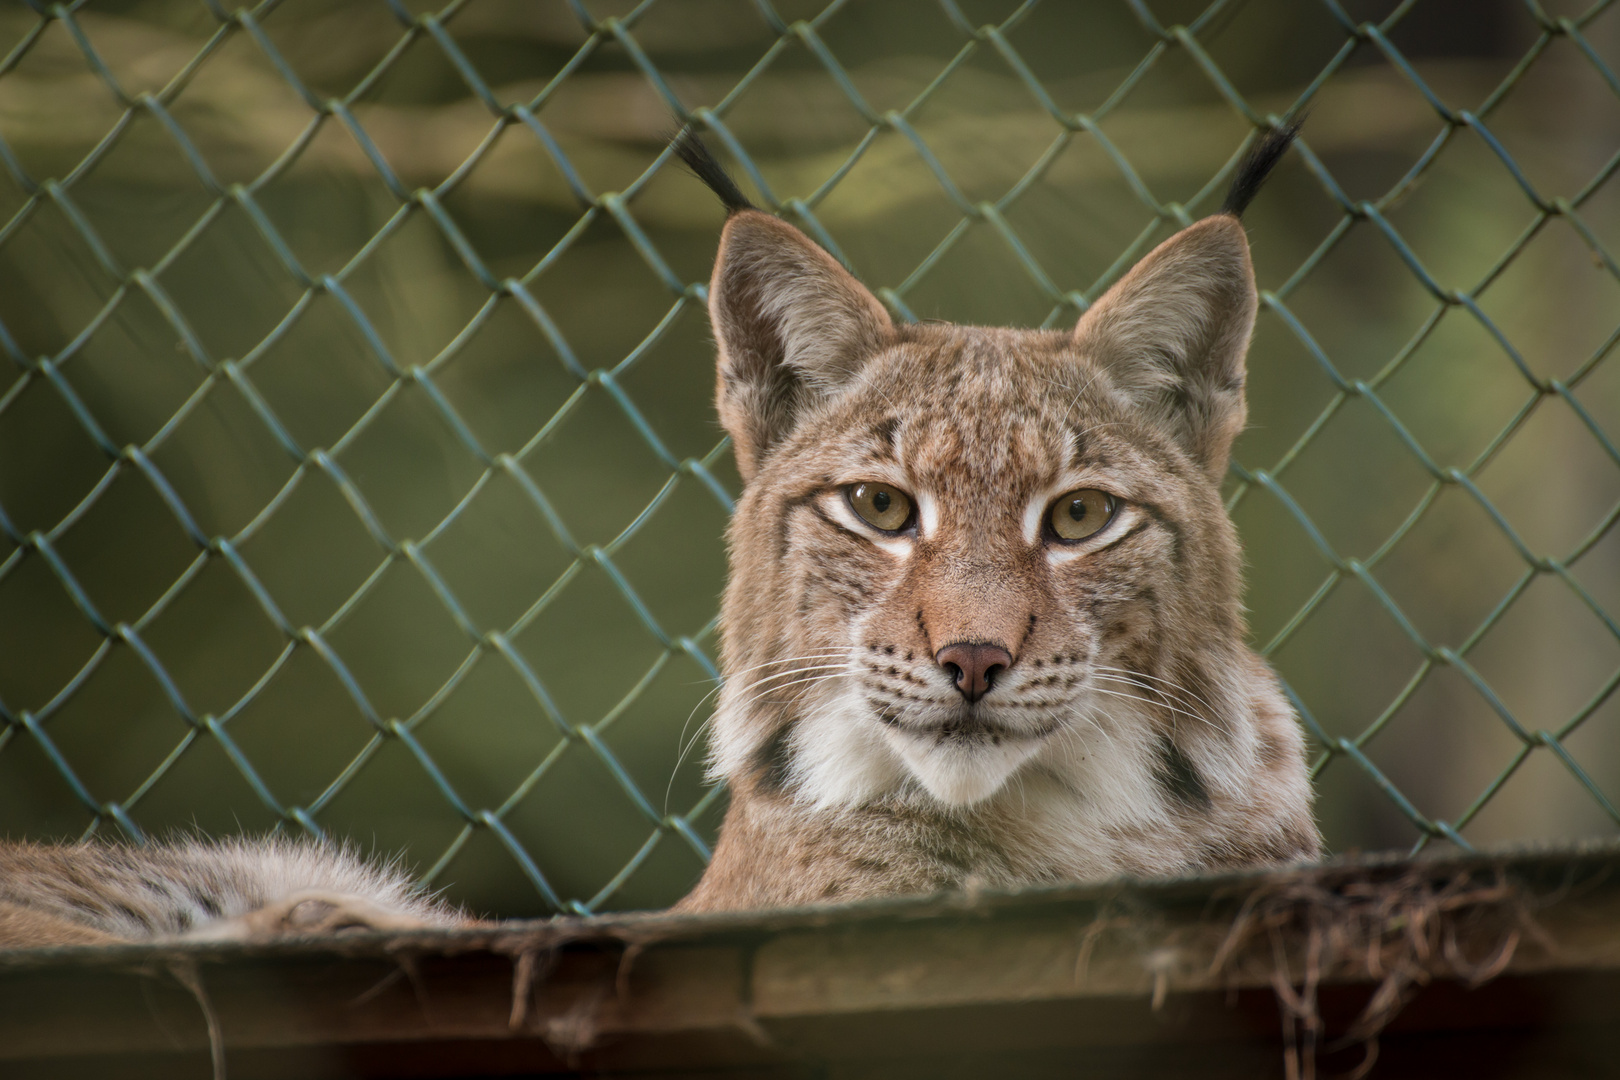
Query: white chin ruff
x=961 y=775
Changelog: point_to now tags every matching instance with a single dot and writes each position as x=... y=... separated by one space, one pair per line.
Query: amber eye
x=880 y=505
x=1079 y=514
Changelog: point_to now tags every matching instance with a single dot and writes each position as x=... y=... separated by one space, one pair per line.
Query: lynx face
x=983 y=620
x=1037 y=540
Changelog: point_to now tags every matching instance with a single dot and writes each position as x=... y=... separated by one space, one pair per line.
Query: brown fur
x=1133 y=732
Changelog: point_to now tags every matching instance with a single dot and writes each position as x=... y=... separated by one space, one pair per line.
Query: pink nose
x=974 y=665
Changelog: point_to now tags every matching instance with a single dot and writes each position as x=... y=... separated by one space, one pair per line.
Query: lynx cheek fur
x=984 y=622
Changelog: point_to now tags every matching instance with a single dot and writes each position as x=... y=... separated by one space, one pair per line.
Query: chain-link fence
x=357 y=469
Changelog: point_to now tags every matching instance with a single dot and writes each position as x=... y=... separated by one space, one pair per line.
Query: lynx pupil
x=1077 y=510
x=880 y=501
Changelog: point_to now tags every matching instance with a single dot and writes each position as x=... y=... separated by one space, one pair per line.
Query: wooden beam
x=1479 y=951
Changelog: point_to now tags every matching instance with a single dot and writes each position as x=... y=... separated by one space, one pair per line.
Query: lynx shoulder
x=984 y=623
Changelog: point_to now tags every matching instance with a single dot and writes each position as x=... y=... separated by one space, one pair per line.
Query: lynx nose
x=974 y=665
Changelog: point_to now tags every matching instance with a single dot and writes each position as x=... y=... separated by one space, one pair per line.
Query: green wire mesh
x=99 y=431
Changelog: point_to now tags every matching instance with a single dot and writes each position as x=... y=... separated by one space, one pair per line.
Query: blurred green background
x=318 y=509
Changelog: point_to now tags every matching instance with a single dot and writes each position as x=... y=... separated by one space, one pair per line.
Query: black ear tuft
x=1257 y=166
x=691 y=150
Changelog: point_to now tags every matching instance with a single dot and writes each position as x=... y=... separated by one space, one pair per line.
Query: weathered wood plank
x=1125 y=972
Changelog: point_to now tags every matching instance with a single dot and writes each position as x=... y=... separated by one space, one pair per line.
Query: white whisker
x=685 y=748
x=1092 y=720
x=1165 y=699
x=1157 y=692
x=1160 y=704
x=799 y=682
x=681 y=760
x=828 y=654
x=1154 y=678
x=793 y=671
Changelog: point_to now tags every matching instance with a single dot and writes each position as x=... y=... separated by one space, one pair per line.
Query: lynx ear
x=792 y=326
x=1172 y=335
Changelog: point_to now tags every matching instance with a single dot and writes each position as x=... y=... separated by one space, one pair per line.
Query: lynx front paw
x=310 y=912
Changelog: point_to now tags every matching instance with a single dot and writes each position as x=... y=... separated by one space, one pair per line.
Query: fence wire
x=144 y=110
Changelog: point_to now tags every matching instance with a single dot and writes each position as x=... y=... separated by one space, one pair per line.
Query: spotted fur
x=1133 y=731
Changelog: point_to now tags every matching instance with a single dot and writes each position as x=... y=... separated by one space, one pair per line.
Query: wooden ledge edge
x=1080 y=963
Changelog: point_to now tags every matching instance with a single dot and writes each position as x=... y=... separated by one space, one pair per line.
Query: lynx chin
x=983 y=624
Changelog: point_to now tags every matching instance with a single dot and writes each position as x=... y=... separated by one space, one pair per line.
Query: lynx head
x=964 y=554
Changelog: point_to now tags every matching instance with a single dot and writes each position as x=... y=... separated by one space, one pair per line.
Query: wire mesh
x=99 y=429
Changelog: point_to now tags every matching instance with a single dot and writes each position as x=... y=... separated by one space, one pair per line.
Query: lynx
x=983 y=625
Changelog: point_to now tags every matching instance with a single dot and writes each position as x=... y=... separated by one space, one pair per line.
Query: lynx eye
x=880 y=505
x=1082 y=513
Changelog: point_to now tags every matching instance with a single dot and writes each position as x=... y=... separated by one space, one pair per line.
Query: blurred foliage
x=309 y=307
